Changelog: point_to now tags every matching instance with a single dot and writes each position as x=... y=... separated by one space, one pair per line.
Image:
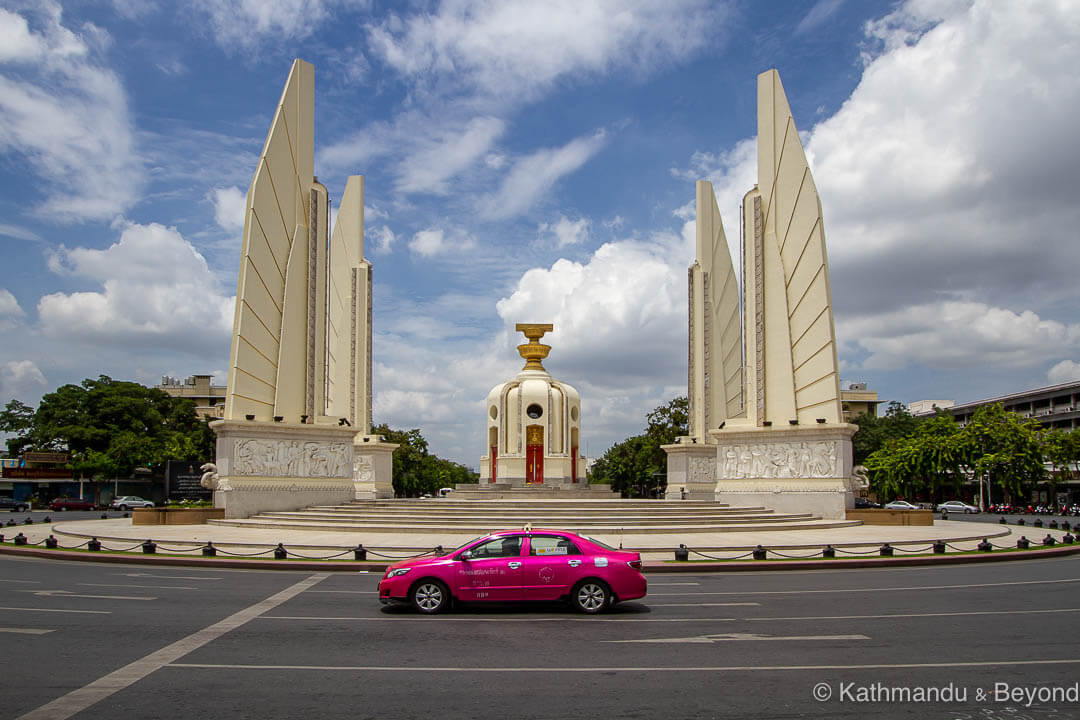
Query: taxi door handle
x=574 y=563
x=514 y=565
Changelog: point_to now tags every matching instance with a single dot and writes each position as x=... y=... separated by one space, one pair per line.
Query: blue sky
x=535 y=162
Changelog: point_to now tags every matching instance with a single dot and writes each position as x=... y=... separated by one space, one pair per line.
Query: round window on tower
x=534 y=411
x=493 y=412
x=573 y=413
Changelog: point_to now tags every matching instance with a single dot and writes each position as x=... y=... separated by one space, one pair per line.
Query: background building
x=1055 y=406
x=856 y=400
x=209 y=398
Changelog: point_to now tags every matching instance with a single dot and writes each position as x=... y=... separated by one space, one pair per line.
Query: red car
x=71 y=504
x=518 y=565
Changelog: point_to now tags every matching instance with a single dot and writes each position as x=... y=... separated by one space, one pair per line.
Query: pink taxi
x=518 y=565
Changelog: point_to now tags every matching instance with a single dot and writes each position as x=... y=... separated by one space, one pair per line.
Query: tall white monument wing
x=267 y=373
x=790 y=211
x=348 y=342
x=715 y=383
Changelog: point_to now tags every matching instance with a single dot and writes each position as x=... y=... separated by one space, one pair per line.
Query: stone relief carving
x=701 y=470
x=291 y=458
x=363 y=468
x=781 y=460
x=209 y=479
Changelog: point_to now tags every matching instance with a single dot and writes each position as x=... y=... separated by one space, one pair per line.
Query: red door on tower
x=534 y=464
x=494 y=461
x=534 y=454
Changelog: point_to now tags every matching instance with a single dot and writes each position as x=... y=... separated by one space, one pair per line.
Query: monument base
x=281 y=466
x=789 y=469
x=691 y=470
x=373 y=468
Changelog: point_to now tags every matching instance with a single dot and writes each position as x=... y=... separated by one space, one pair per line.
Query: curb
x=647 y=567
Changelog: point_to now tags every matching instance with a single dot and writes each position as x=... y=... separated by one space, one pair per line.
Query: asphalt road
x=113 y=641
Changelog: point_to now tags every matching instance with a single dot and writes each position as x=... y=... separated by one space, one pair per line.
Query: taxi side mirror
x=467 y=555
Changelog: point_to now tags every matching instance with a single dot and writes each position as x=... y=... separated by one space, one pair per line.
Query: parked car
x=7 y=503
x=518 y=565
x=864 y=504
x=900 y=505
x=126 y=502
x=957 y=507
x=71 y=504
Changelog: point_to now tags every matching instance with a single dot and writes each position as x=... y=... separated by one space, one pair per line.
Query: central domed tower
x=533 y=423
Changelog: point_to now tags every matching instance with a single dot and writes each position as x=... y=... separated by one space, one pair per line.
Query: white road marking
x=78 y=700
x=881 y=589
x=24 y=631
x=28 y=582
x=693 y=668
x=69 y=594
x=168 y=577
x=735 y=604
x=148 y=587
x=560 y=618
x=444 y=620
x=80 y=612
x=918 y=615
x=739 y=637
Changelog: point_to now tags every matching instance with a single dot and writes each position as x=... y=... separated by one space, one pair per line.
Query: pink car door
x=493 y=571
x=551 y=568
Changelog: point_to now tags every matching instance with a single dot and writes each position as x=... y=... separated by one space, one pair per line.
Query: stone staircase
x=585 y=515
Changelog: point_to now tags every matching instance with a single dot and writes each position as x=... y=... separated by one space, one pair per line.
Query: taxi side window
x=497 y=548
x=547 y=545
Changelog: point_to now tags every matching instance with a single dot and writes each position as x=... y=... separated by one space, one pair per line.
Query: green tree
x=637 y=466
x=17 y=420
x=1003 y=449
x=112 y=427
x=417 y=472
x=874 y=432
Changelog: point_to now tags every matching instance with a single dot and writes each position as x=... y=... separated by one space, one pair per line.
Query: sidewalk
x=850 y=543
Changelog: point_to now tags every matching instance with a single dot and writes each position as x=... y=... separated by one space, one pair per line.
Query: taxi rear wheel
x=430 y=597
x=590 y=596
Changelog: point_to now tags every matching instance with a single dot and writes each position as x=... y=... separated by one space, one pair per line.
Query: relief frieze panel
x=292 y=458
x=820 y=459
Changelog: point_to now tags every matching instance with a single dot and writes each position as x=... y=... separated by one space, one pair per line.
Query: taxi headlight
x=397 y=572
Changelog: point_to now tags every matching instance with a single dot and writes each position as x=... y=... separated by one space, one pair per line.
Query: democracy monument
x=765 y=427
x=298 y=405
x=765 y=414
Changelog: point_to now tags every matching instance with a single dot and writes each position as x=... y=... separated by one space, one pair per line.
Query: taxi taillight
x=636 y=564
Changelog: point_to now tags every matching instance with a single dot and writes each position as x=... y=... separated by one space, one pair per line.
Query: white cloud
x=427 y=242
x=10 y=311
x=1064 y=372
x=240 y=24
x=515 y=50
x=446 y=153
x=156 y=289
x=66 y=116
x=818 y=15
x=532 y=176
x=20 y=378
x=434 y=241
x=566 y=231
x=957 y=334
x=617 y=317
x=384 y=238
x=230 y=208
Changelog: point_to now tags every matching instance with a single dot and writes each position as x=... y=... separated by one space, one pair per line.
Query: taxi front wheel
x=430 y=597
